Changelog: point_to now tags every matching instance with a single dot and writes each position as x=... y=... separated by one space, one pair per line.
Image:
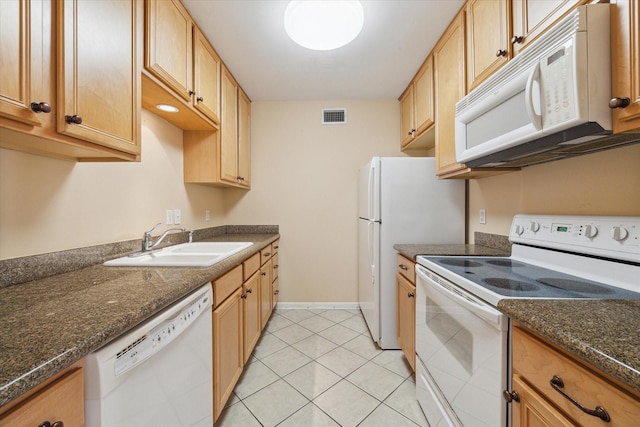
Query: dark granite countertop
x=485 y=245
x=412 y=251
x=50 y=323
x=603 y=333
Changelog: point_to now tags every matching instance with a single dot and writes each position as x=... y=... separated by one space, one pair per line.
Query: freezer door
x=369 y=190
x=369 y=274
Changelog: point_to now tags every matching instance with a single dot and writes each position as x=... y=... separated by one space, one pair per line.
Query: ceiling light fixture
x=323 y=25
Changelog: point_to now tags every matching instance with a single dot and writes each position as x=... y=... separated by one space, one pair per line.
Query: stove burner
x=460 y=263
x=505 y=263
x=575 y=286
x=512 y=285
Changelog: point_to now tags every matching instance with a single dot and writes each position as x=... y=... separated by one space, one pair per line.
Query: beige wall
x=604 y=183
x=305 y=179
x=50 y=205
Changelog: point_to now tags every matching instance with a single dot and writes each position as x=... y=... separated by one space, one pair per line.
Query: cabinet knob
x=619 y=103
x=516 y=39
x=403 y=267
x=411 y=295
x=276 y=292
x=276 y=266
x=264 y=273
x=73 y=120
x=199 y=99
x=501 y=52
x=249 y=290
x=267 y=254
x=240 y=178
x=41 y=107
x=510 y=396
x=243 y=296
x=191 y=92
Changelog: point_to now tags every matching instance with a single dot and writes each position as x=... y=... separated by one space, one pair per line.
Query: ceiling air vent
x=334 y=116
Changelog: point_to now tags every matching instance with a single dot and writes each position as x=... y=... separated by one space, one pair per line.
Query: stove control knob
x=619 y=233
x=519 y=229
x=534 y=226
x=590 y=231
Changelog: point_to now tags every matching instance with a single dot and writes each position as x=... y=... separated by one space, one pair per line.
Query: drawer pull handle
x=48 y=424
x=249 y=290
x=403 y=267
x=511 y=396
x=411 y=295
x=267 y=254
x=557 y=384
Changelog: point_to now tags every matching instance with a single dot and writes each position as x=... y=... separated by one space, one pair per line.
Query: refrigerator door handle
x=370 y=213
x=370 y=226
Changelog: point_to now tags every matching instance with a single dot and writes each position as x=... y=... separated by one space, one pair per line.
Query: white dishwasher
x=159 y=373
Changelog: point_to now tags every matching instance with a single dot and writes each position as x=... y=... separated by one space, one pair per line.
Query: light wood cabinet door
x=449 y=73
x=423 y=96
x=98 y=72
x=532 y=410
x=251 y=314
x=625 y=60
x=169 y=45
x=61 y=401
x=530 y=18
x=406 y=301
x=244 y=139
x=266 y=292
x=276 y=293
x=488 y=47
x=206 y=77
x=228 y=342
x=229 y=128
x=22 y=66
x=407 y=117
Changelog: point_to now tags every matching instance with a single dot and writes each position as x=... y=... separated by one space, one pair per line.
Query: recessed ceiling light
x=323 y=25
x=168 y=108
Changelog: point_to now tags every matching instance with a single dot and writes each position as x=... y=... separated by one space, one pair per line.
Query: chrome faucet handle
x=190 y=236
x=146 y=238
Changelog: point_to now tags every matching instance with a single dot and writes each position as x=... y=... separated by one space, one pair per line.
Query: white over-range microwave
x=549 y=102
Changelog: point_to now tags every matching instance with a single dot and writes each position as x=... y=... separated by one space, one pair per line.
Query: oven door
x=462 y=348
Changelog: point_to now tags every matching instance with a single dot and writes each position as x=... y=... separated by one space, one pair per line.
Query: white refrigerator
x=400 y=200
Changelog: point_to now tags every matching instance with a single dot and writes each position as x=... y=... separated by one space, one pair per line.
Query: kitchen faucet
x=147 y=242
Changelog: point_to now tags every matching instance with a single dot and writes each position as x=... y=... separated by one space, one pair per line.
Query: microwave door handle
x=532 y=97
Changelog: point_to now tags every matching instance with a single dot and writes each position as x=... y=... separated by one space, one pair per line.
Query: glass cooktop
x=516 y=279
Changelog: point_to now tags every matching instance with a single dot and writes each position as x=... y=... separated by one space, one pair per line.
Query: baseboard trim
x=318 y=305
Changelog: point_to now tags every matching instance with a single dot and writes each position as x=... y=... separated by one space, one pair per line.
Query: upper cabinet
x=181 y=68
x=98 y=77
x=488 y=46
x=417 y=116
x=70 y=87
x=625 y=18
x=530 y=18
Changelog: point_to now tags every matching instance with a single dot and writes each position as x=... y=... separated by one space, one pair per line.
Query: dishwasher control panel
x=160 y=336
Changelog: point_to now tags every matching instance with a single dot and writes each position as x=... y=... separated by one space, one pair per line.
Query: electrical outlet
x=207 y=215
x=177 y=216
x=483 y=216
x=169 y=219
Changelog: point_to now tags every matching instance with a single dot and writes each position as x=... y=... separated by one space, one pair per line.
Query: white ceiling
x=249 y=35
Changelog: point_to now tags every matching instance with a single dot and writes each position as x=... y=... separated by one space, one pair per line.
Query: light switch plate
x=483 y=216
x=177 y=216
x=169 y=217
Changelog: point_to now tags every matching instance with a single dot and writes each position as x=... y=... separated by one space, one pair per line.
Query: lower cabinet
x=242 y=305
x=548 y=386
x=406 y=308
x=228 y=359
x=59 y=402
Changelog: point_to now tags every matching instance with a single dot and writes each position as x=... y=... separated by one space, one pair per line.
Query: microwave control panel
x=557 y=80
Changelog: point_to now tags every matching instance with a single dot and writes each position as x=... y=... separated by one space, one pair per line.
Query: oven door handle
x=476 y=306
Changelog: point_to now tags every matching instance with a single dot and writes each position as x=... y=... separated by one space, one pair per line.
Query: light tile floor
x=320 y=368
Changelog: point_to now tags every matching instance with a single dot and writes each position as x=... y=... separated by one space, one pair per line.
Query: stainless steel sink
x=198 y=254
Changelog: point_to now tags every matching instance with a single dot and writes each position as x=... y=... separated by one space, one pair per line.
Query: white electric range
x=462 y=340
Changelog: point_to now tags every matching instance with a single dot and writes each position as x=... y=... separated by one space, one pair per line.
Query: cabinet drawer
x=251 y=265
x=406 y=267
x=63 y=401
x=538 y=363
x=225 y=285
x=265 y=254
x=275 y=246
